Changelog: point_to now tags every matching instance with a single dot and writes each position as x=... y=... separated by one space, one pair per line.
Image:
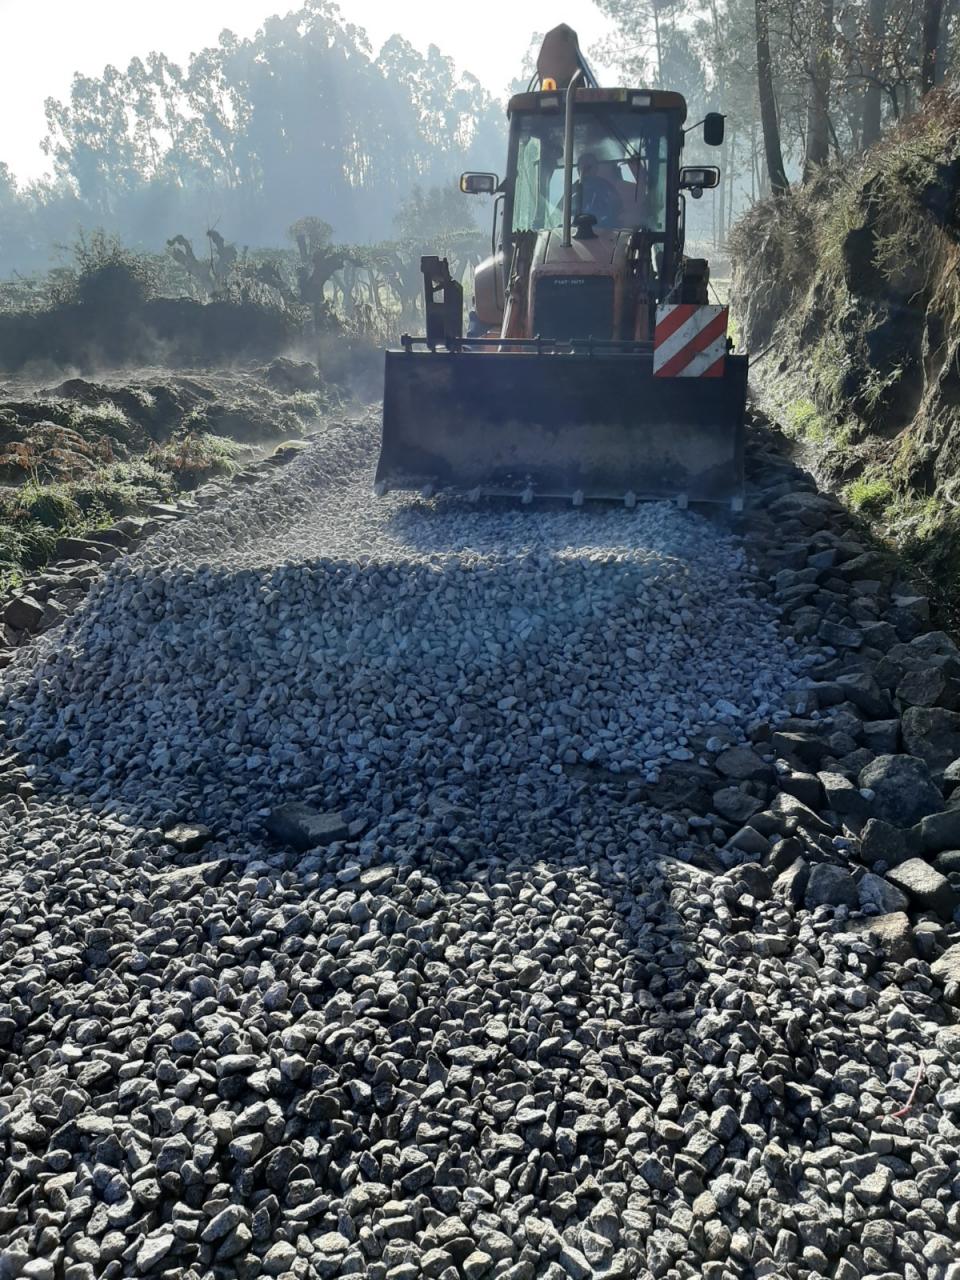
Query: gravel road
x=496 y=1023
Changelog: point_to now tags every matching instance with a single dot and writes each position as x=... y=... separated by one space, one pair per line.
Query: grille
x=573 y=307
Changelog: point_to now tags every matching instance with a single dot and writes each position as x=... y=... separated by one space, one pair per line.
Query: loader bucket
x=560 y=424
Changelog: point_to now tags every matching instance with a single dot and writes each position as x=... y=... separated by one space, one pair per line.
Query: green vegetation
x=195 y=456
x=803 y=422
x=34 y=516
x=854 y=279
x=872 y=497
x=70 y=493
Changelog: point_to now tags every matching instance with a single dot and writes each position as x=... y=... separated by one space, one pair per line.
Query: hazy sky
x=43 y=42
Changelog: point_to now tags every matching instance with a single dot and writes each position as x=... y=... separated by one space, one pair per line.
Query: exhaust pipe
x=568 y=157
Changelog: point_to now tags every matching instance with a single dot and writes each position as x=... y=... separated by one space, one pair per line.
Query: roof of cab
x=660 y=99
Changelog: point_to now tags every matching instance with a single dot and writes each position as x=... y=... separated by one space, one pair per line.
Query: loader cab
x=631 y=142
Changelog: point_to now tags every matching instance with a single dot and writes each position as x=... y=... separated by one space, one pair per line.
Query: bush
x=872 y=497
x=51 y=505
x=110 y=277
x=26 y=543
x=195 y=456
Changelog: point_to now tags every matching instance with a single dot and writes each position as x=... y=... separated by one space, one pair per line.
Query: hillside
x=848 y=291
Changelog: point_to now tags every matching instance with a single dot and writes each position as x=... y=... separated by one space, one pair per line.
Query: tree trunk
x=931 y=38
x=873 y=92
x=943 y=44
x=818 y=105
x=768 y=103
x=656 y=31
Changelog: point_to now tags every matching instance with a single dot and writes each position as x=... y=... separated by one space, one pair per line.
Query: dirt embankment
x=77 y=456
x=849 y=289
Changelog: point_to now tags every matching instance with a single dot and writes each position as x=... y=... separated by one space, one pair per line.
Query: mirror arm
x=497 y=200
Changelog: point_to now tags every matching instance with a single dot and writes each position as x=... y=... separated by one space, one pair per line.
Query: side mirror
x=696 y=178
x=478 y=184
x=713 y=128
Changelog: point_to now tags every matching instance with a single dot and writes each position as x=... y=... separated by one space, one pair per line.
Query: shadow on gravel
x=505 y=978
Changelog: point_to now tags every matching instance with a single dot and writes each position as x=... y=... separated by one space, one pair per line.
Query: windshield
x=620 y=168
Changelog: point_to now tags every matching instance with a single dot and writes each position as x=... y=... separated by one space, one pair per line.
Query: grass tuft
x=871 y=497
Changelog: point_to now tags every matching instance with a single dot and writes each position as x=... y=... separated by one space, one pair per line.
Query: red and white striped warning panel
x=690 y=341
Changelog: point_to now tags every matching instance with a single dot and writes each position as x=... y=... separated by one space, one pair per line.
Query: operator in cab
x=592 y=193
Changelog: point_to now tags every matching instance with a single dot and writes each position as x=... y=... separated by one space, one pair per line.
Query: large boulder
x=939 y=831
x=23 y=613
x=933 y=734
x=926 y=887
x=742 y=764
x=903 y=790
x=881 y=842
x=877 y=894
x=890 y=933
x=305 y=828
x=830 y=886
x=946 y=969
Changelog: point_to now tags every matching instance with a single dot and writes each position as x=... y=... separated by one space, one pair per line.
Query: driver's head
x=587 y=164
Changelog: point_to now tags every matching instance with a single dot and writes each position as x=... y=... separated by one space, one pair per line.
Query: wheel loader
x=594 y=365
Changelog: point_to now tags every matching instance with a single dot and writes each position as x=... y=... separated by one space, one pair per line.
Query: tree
x=818 y=105
x=932 y=10
x=768 y=103
x=873 y=89
x=425 y=215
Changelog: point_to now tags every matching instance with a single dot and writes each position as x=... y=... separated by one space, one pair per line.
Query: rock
x=221 y=1224
x=926 y=888
x=304 y=828
x=154 y=1249
x=84 y=549
x=926 y=686
x=279 y=1258
x=184 y=881
x=891 y=933
x=117 y=536
x=736 y=804
x=791 y=884
x=933 y=734
x=830 y=886
x=842 y=796
x=875 y=1187
x=24 y=613
x=288 y=376
x=476 y=1264
x=948 y=862
x=881 y=737
x=839 y=636
x=188 y=836
x=754 y=879
x=882 y=842
x=749 y=840
x=804 y=787
x=804 y=748
x=946 y=969
x=939 y=831
x=865 y=694
x=331 y=1243
x=789 y=807
x=880 y=895
x=743 y=765
x=904 y=792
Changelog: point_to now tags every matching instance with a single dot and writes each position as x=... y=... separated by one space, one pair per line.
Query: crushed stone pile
x=500 y=1028
x=308 y=635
